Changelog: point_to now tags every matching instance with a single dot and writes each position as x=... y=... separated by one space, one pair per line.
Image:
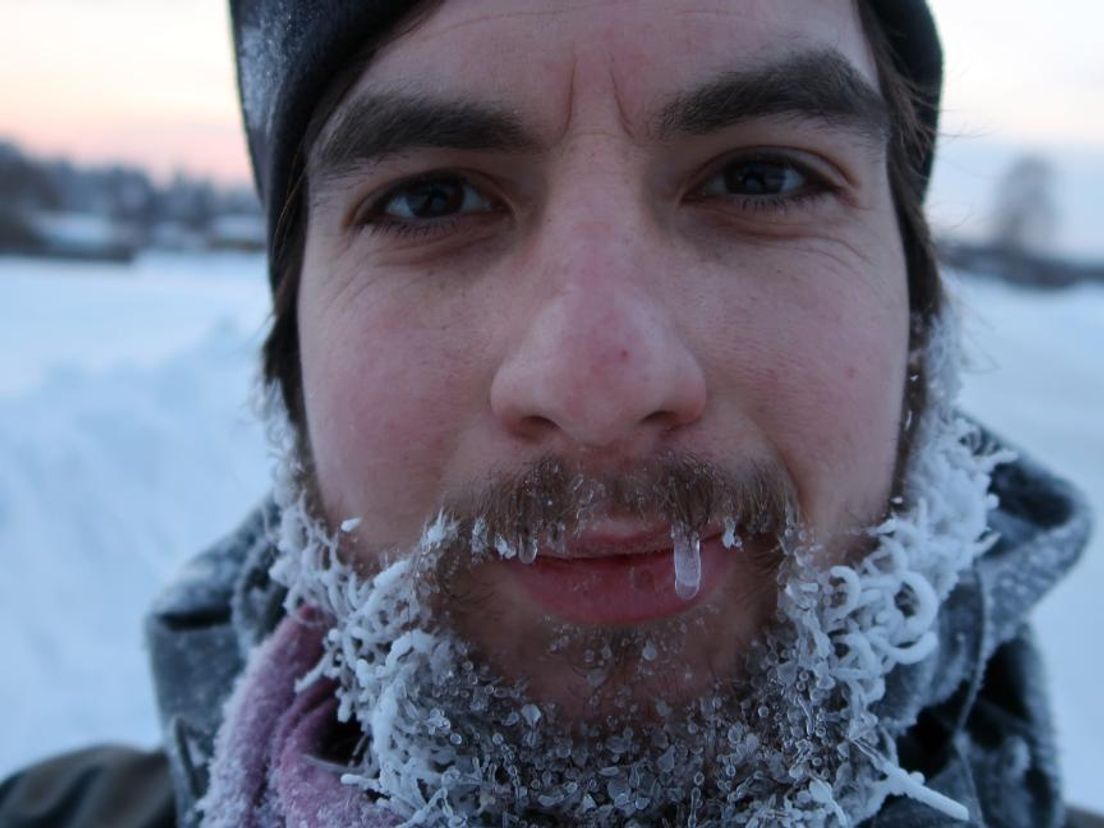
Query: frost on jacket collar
x=975 y=715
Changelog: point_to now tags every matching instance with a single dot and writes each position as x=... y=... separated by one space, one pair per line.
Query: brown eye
x=758 y=177
x=432 y=198
x=763 y=178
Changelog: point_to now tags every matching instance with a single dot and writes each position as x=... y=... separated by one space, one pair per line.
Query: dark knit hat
x=289 y=50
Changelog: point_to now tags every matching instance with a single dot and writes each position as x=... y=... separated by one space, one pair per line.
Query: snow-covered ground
x=128 y=442
x=1036 y=378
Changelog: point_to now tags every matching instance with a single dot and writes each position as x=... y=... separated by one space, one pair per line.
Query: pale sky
x=1025 y=69
x=152 y=81
x=146 y=81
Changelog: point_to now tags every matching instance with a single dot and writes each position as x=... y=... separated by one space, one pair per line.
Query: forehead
x=550 y=59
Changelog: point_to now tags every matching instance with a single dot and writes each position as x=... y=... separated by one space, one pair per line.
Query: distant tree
x=23 y=185
x=125 y=195
x=1025 y=217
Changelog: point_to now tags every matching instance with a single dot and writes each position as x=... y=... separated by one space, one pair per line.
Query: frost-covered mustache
x=551 y=499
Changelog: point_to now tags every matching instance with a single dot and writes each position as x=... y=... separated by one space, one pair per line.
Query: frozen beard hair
x=792 y=739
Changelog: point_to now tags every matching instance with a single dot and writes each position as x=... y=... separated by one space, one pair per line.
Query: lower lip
x=623 y=590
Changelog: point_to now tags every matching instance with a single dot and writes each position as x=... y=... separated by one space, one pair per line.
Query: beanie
x=289 y=50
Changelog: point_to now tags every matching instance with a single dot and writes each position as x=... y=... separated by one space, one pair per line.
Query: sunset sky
x=152 y=82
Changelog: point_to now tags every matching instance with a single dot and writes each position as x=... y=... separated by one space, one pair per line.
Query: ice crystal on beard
x=504 y=548
x=527 y=551
x=794 y=742
x=479 y=537
x=687 y=554
x=437 y=533
x=531 y=713
x=730 y=540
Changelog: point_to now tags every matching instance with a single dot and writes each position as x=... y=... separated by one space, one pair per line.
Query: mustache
x=552 y=497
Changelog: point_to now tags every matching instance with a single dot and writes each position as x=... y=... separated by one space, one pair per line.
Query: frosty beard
x=791 y=737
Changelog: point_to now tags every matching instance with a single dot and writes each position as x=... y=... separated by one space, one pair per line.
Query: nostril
x=666 y=419
x=534 y=426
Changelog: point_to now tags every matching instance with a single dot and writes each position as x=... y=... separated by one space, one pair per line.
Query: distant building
x=1017 y=267
x=176 y=236
x=80 y=236
x=55 y=208
x=237 y=231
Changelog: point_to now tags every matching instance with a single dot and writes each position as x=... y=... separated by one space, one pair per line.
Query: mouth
x=620 y=575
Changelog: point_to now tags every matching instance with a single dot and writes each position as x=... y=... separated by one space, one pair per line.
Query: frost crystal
x=504 y=548
x=531 y=713
x=479 y=537
x=527 y=554
x=687 y=554
x=730 y=539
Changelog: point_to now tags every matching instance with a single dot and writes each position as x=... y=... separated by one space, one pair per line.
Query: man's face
x=613 y=237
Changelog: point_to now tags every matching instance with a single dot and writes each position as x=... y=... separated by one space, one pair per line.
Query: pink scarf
x=264 y=772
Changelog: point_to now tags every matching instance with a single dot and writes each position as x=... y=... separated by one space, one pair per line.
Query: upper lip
x=617 y=537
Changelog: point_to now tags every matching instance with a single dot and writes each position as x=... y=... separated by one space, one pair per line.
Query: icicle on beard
x=791 y=737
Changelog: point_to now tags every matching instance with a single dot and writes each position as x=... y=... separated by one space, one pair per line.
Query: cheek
x=383 y=394
x=820 y=369
x=841 y=403
x=853 y=381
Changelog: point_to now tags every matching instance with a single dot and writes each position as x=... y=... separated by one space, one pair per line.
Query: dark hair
x=910 y=143
x=908 y=146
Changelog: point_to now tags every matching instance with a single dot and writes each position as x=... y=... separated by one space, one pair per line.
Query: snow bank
x=1037 y=380
x=136 y=447
x=91 y=316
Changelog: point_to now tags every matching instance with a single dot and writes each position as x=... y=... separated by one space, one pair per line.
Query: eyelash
x=779 y=204
x=424 y=230
x=373 y=220
x=816 y=186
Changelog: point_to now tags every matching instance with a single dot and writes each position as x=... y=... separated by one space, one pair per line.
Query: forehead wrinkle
x=432 y=28
x=579 y=84
x=622 y=110
x=493 y=18
x=570 y=98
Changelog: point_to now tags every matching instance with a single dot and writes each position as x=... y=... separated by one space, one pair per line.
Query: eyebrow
x=819 y=85
x=376 y=125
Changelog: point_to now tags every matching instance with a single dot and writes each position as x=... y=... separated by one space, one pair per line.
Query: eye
x=441 y=196
x=764 y=180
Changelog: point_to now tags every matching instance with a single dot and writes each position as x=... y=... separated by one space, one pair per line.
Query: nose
x=600 y=361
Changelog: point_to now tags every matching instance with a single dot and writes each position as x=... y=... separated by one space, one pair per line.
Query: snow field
x=1035 y=377
x=127 y=443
